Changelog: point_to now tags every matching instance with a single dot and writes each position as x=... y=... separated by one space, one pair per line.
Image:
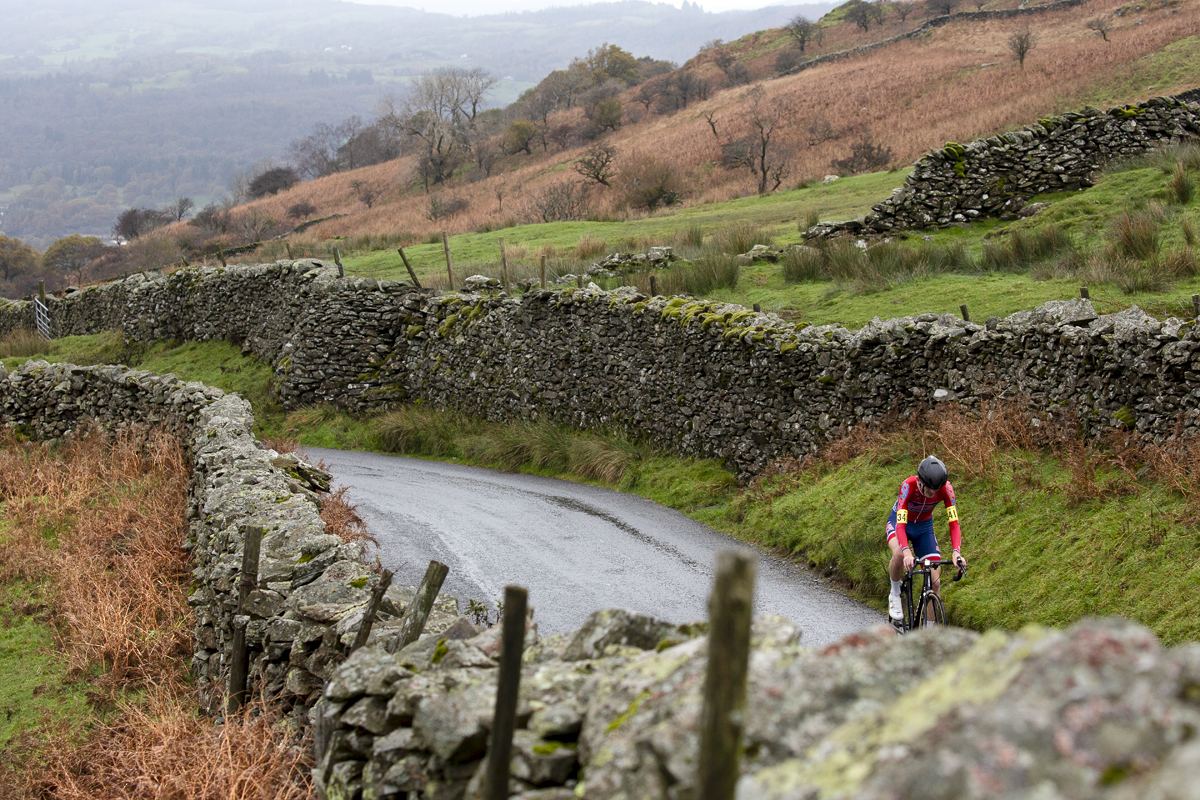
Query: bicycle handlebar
x=927 y=563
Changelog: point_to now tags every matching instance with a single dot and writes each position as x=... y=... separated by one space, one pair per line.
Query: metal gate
x=42 y=317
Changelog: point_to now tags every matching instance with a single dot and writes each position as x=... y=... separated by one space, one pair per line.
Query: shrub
x=865 y=155
x=690 y=236
x=442 y=208
x=565 y=201
x=649 y=183
x=788 y=59
x=301 y=210
x=273 y=181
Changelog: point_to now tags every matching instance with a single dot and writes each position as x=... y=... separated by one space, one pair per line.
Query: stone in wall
x=1099 y=710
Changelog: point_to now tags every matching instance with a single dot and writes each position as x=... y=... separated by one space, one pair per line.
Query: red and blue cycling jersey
x=912 y=507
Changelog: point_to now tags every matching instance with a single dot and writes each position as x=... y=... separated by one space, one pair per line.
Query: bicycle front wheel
x=931 y=610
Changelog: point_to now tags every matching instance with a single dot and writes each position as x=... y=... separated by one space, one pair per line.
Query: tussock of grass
x=1135 y=234
x=738 y=238
x=23 y=344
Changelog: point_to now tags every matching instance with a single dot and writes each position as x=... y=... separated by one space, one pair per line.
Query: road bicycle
x=928 y=599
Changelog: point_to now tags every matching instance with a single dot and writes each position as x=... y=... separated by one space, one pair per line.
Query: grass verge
x=96 y=635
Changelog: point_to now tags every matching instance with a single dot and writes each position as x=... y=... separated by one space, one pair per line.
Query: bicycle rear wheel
x=937 y=611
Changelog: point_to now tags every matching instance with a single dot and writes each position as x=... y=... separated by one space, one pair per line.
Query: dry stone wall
x=312 y=588
x=693 y=377
x=997 y=175
x=612 y=711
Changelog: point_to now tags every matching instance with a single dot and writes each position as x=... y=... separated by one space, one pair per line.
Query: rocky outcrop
x=1099 y=710
x=693 y=377
x=312 y=588
x=996 y=176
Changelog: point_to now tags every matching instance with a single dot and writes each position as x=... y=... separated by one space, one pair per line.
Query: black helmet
x=932 y=472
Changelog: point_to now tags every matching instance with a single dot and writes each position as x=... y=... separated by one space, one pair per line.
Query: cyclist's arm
x=952 y=516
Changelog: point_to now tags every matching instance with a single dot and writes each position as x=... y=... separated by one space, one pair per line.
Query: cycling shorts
x=920 y=535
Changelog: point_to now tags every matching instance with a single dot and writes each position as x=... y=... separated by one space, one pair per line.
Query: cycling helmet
x=932 y=472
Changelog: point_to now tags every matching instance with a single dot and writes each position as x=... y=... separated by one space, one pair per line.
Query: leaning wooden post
x=543 y=270
x=239 y=665
x=503 y=265
x=337 y=259
x=288 y=246
x=723 y=719
x=511 y=649
x=966 y=317
x=422 y=604
x=221 y=255
x=408 y=267
x=449 y=268
x=368 y=621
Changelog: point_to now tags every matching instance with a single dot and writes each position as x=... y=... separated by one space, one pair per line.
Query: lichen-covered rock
x=617 y=628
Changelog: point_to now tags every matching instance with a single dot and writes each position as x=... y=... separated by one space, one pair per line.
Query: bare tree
x=365 y=192
x=438 y=115
x=598 y=164
x=711 y=119
x=1020 y=43
x=801 y=28
x=903 y=8
x=180 y=207
x=861 y=14
x=1101 y=25
x=820 y=130
x=565 y=201
x=767 y=160
x=940 y=8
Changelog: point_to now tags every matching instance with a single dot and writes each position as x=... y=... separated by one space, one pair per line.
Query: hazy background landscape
x=134 y=103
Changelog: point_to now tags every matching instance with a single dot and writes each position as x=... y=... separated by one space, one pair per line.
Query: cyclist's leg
x=895 y=570
x=924 y=544
x=896 y=564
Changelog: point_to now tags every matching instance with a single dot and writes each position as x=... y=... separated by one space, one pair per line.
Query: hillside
x=956 y=83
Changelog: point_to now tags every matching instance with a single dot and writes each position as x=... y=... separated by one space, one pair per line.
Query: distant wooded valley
x=138 y=104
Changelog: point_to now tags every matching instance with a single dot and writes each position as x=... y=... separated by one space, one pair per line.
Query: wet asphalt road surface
x=577 y=548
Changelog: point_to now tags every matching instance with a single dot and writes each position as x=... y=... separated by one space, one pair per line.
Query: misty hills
x=135 y=102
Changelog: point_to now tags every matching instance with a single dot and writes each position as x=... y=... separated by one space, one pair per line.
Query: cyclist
x=910 y=526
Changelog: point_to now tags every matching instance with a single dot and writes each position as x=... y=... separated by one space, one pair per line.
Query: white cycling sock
x=896 y=588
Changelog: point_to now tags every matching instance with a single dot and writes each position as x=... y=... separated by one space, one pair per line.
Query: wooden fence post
x=288 y=246
x=966 y=317
x=722 y=721
x=449 y=269
x=42 y=292
x=368 y=621
x=239 y=665
x=422 y=604
x=579 y=280
x=543 y=270
x=337 y=259
x=653 y=287
x=511 y=649
x=408 y=267
x=1083 y=292
x=503 y=265
x=221 y=255
x=1196 y=305
x=757 y=308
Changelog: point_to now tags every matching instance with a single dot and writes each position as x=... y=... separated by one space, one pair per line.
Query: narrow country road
x=577 y=548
